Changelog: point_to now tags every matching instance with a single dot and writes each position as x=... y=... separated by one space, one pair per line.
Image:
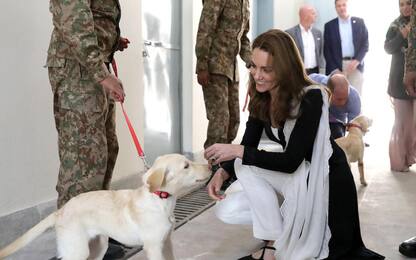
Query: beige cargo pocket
x=82 y=102
x=56 y=71
x=80 y=121
x=81 y=116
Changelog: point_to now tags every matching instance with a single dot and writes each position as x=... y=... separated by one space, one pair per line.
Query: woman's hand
x=215 y=184
x=217 y=153
x=405 y=30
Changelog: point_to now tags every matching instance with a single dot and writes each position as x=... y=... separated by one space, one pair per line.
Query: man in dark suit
x=308 y=39
x=346 y=44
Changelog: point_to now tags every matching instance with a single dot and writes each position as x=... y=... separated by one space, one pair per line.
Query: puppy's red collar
x=162 y=194
x=348 y=125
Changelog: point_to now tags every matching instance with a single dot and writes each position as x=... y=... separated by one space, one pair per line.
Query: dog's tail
x=30 y=235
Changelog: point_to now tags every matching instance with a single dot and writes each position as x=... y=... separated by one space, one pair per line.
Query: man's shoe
x=408 y=247
x=114 y=252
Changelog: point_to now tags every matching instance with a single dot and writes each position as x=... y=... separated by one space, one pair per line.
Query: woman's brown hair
x=291 y=78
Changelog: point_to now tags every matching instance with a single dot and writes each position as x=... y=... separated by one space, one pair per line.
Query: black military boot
x=115 y=250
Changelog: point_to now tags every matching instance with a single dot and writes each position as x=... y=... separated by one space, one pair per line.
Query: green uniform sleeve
x=207 y=24
x=245 y=51
x=77 y=30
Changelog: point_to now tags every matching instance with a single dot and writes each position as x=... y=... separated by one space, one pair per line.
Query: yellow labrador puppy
x=133 y=217
x=353 y=144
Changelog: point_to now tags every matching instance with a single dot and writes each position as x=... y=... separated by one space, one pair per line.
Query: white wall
x=28 y=150
x=28 y=140
x=262 y=16
x=193 y=113
x=326 y=11
x=286 y=13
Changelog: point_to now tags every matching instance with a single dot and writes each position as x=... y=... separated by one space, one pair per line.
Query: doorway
x=161 y=29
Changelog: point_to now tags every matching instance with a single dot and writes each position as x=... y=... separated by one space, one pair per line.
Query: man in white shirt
x=308 y=39
x=346 y=44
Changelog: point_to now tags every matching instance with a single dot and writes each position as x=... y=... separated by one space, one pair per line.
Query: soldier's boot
x=115 y=250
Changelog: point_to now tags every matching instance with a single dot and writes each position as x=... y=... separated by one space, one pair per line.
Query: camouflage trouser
x=85 y=121
x=222 y=107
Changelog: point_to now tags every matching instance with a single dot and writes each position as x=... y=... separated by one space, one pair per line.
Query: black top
x=396 y=45
x=298 y=148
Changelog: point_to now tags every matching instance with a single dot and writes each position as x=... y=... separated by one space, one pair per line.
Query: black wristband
x=215 y=167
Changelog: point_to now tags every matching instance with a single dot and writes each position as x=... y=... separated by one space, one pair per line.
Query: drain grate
x=191 y=205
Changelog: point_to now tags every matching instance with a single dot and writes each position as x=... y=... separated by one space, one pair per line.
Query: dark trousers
x=312 y=70
x=337 y=129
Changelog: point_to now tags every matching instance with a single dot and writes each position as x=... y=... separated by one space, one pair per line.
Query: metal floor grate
x=191 y=205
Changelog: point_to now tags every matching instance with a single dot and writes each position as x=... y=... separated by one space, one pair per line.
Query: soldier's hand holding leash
x=203 y=77
x=111 y=83
x=123 y=43
x=114 y=87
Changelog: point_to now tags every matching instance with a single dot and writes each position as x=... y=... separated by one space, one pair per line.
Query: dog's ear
x=156 y=179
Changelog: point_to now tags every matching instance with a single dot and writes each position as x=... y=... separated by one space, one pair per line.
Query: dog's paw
x=363 y=182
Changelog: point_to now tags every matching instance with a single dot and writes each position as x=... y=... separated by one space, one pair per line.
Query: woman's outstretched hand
x=217 y=153
x=215 y=184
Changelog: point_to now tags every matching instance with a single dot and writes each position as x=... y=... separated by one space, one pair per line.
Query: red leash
x=131 y=129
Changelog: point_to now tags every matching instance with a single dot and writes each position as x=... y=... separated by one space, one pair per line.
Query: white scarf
x=306 y=233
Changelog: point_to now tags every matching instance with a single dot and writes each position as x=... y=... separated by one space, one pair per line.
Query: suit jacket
x=296 y=34
x=332 y=43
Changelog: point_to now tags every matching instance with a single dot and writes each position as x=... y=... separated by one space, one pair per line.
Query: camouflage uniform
x=411 y=50
x=84 y=38
x=222 y=35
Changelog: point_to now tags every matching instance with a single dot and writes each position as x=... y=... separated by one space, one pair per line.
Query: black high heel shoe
x=249 y=257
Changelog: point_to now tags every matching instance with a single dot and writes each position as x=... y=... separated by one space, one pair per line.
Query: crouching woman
x=293 y=184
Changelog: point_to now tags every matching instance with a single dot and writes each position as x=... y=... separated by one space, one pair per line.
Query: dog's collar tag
x=162 y=194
